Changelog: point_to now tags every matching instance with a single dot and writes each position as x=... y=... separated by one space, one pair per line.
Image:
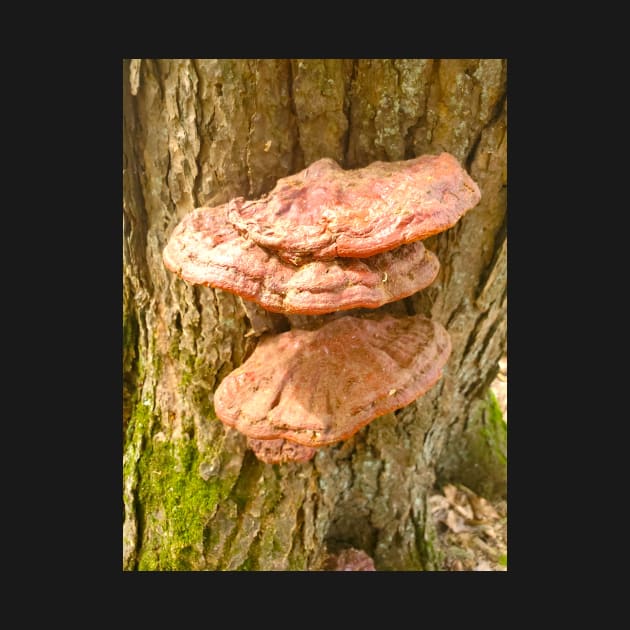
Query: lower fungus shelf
x=311 y=388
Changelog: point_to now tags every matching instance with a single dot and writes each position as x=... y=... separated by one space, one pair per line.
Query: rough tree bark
x=199 y=132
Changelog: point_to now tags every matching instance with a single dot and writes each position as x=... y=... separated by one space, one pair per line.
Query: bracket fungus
x=205 y=249
x=349 y=559
x=325 y=212
x=317 y=387
x=326 y=240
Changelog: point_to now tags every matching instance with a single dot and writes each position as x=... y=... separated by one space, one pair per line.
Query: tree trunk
x=199 y=132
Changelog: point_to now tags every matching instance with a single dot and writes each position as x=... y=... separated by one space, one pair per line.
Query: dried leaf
x=464 y=510
x=438 y=502
x=488 y=531
x=450 y=492
x=493 y=553
x=455 y=522
x=482 y=508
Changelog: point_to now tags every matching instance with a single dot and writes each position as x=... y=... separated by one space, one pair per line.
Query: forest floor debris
x=472 y=531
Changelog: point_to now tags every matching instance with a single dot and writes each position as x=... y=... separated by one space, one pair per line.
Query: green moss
x=138 y=426
x=191 y=368
x=477 y=457
x=174 y=505
x=158 y=363
x=428 y=548
x=494 y=429
x=297 y=561
x=246 y=566
x=186 y=379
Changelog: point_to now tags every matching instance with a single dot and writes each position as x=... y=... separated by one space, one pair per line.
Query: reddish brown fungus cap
x=350 y=560
x=317 y=387
x=324 y=212
x=205 y=249
x=280 y=451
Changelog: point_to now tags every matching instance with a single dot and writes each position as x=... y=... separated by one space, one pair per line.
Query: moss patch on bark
x=177 y=503
x=477 y=457
x=171 y=501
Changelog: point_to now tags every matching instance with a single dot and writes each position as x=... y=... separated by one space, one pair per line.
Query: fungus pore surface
x=317 y=387
x=325 y=212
